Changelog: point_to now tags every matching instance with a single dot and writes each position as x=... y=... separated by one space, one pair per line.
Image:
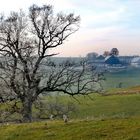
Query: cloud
x=92 y=18
x=6 y=6
x=104 y=23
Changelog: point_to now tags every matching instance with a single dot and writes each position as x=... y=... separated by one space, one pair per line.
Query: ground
x=110 y=129
x=113 y=116
x=128 y=78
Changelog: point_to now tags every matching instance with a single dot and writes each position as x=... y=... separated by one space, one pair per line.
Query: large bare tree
x=25 y=44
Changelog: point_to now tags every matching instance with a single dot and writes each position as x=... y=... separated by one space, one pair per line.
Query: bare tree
x=106 y=53
x=114 y=51
x=25 y=42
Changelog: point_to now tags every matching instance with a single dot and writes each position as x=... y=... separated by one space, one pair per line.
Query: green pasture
x=110 y=129
x=114 y=115
x=128 y=78
x=101 y=106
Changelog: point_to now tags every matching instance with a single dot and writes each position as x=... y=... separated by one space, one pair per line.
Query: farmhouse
x=111 y=61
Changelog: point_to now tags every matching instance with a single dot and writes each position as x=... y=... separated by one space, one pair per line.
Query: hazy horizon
x=104 y=24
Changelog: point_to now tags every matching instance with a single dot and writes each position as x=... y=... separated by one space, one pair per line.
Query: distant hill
x=63 y=59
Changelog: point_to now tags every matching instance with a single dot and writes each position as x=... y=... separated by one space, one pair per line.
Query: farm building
x=112 y=60
x=98 y=63
x=126 y=60
x=136 y=62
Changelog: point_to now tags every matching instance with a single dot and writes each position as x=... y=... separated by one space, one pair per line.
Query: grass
x=115 y=116
x=111 y=129
x=114 y=106
x=129 y=78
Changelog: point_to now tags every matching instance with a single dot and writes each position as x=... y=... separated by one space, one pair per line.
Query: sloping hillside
x=115 y=129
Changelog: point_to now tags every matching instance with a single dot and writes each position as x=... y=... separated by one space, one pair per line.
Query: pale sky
x=105 y=24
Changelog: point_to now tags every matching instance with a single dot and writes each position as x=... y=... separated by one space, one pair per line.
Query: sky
x=105 y=24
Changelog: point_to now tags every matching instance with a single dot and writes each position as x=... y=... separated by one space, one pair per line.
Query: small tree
x=114 y=51
x=106 y=53
x=25 y=42
x=53 y=108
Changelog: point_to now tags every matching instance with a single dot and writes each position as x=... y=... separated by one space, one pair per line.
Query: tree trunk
x=27 y=110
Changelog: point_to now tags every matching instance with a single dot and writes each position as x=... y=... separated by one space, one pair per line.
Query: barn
x=112 y=60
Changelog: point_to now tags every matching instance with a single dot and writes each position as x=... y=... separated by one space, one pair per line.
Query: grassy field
x=113 y=116
x=114 y=106
x=129 y=78
x=114 y=129
x=100 y=106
